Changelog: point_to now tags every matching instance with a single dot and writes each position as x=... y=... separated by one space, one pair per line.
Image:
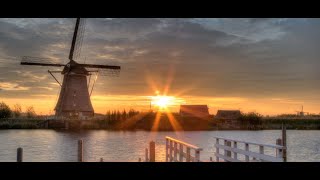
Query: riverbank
x=153 y=122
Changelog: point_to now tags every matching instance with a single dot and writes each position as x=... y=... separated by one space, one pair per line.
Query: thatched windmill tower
x=74 y=99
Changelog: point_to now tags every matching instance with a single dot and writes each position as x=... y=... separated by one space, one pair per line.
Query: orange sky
x=101 y=104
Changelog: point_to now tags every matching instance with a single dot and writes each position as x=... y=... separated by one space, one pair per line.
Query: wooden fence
x=178 y=151
x=233 y=148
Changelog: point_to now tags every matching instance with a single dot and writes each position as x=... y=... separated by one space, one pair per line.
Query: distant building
x=200 y=111
x=228 y=115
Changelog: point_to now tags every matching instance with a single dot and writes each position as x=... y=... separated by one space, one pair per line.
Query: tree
x=5 y=111
x=17 y=110
x=252 y=118
x=30 y=112
x=124 y=115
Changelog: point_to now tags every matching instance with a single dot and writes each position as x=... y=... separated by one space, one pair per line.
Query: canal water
x=126 y=146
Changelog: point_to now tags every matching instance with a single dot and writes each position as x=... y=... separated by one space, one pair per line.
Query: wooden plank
x=175 y=151
x=253 y=143
x=225 y=158
x=184 y=143
x=247 y=150
x=251 y=154
x=180 y=152
x=170 y=152
x=188 y=156
x=279 y=151
x=261 y=151
x=167 y=146
x=197 y=156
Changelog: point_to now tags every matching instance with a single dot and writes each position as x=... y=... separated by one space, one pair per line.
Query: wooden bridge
x=226 y=150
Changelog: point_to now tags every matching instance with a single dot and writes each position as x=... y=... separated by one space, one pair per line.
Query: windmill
x=74 y=98
x=301 y=113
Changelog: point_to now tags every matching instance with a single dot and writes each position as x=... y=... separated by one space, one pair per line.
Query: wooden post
x=180 y=153
x=279 y=151
x=211 y=159
x=80 y=151
x=188 y=154
x=227 y=152
x=152 y=147
x=170 y=152
x=197 y=156
x=175 y=152
x=229 y=145
x=19 y=155
x=261 y=150
x=284 y=142
x=167 y=146
x=217 y=150
x=146 y=157
x=101 y=159
x=235 y=155
x=247 y=149
x=139 y=159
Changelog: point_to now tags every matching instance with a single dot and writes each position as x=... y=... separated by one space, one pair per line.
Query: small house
x=200 y=111
x=228 y=115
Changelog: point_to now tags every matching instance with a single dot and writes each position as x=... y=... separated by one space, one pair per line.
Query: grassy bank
x=163 y=122
x=20 y=123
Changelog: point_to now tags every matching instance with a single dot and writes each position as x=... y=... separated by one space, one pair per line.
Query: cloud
x=203 y=57
x=257 y=29
x=7 y=86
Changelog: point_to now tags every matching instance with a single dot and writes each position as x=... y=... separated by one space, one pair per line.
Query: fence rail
x=179 y=151
x=231 y=149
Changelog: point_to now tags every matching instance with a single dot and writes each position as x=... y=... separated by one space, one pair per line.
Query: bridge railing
x=179 y=151
x=231 y=150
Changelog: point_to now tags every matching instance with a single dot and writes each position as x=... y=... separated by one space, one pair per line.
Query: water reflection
x=61 y=146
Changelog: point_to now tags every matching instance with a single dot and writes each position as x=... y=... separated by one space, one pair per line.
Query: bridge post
x=284 y=142
x=279 y=152
x=152 y=148
x=19 y=155
x=80 y=151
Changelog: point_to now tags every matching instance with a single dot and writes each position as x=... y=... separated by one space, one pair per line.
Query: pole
x=152 y=148
x=80 y=151
x=284 y=142
x=19 y=155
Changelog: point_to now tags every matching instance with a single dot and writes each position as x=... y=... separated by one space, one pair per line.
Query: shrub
x=5 y=111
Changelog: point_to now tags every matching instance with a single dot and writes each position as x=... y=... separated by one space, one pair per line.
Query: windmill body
x=74 y=98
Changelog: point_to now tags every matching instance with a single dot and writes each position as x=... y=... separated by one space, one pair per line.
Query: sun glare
x=163 y=101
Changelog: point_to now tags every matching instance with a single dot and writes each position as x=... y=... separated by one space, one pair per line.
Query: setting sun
x=163 y=101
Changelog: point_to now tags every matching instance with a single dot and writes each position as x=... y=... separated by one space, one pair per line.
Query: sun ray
x=174 y=123
x=156 y=122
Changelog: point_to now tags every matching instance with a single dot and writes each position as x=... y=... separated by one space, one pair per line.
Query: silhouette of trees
x=116 y=115
x=5 y=111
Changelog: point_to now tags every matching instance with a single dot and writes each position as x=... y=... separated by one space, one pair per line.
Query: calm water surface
x=61 y=146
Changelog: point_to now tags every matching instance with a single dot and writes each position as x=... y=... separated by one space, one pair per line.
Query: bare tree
x=17 y=110
x=30 y=112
